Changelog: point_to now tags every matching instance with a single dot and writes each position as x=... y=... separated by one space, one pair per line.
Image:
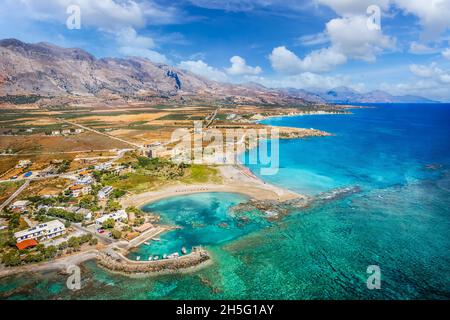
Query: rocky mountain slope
x=46 y=70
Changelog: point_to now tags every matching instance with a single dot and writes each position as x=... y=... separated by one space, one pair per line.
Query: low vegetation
x=149 y=174
x=20 y=99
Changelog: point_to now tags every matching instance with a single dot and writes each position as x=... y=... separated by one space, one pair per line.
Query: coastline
x=236 y=180
x=345 y=111
x=60 y=264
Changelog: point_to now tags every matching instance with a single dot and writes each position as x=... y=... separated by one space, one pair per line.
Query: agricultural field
x=39 y=188
x=8 y=188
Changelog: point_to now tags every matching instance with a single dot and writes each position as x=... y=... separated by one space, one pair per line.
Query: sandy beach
x=236 y=179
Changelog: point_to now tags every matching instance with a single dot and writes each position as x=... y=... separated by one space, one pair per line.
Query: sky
x=307 y=44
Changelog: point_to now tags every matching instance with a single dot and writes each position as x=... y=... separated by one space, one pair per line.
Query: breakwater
x=116 y=262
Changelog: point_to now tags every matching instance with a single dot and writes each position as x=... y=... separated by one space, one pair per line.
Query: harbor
x=116 y=262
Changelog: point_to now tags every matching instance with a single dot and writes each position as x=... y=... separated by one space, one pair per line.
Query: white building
x=80 y=190
x=20 y=206
x=23 y=163
x=103 y=166
x=42 y=231
x=120 y=215
x=85 y=180
x=105 y=192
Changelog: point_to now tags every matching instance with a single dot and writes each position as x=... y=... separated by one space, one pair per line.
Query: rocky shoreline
x=275 y=209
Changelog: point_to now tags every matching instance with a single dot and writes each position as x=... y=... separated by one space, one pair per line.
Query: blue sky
x=309 y=44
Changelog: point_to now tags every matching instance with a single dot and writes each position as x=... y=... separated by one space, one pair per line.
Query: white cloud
x=433 y=15
x=146 y=53
x=419 y=48
x=250 y=5
x=285 y=61
x=352 y=7
x=446 y=53
x=129 y=37
x=240 y=67
x=132 y=44
x=313 y=39
x=105 y=14
x=203 y=69
x=350 y=39
x=431 y=71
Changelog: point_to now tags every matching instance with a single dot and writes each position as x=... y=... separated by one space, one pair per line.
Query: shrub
x=11 y=258
x=108 y=223
x=116 y=234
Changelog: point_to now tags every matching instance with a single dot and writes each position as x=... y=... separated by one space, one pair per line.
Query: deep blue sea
x=399 y=156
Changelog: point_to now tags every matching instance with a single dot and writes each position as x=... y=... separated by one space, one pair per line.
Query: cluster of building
x=120 y=215
x=67 y=132
x=20 y=206
x=44 y=231
x=83 y=184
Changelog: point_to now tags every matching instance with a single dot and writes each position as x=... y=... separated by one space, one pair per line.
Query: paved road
x=213 y=117
x=100 y=236
x=55 y=152
x=101 y=133
x=14 y=195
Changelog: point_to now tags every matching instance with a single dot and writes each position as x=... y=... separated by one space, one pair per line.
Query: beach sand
x=235 y=179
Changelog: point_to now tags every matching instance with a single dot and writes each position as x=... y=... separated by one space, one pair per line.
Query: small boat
x=138 y=258
x=147 y=243
x=156 y=239
x=183 y=250
x=164 y=256
x=173 y=255
x=150 y=258
x=155 y=258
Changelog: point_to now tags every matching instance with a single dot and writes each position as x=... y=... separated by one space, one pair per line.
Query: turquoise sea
x=399 y=156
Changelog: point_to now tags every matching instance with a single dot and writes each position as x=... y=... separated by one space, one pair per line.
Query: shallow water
x=400 y=221
x=204 y=218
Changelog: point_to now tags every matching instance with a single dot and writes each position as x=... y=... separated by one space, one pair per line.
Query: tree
x=14 y=221
x=113 y=206
x=117 y=193
x=63 y=245
x=34 y=257
x=108 y=223
x=73 y=242
x=139 y=221
x=116 y=234
x=11 y=258
x=49 y=252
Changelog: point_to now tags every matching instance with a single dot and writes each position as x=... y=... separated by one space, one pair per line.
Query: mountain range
x=48 y=70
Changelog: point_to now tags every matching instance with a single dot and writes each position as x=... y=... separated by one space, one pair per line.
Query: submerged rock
x=274 y=210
